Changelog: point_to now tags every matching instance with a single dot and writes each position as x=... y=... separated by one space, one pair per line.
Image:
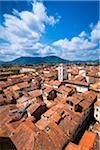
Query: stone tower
x=60 y=72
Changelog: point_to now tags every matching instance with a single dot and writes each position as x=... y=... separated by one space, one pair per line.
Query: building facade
x=61 y=73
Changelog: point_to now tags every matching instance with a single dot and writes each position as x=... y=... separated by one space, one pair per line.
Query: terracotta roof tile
x=43 y=142
x=23 y=136
x=72 y=146
x=73 y=81
x=23 y=85
x=48 y=89
x=33 y=107
x=35 y=93
x=15 y=87
x=88 y=139
x=41 y=124
x=56 y=135
x=97 y=103
x=65 y=90
x=95 y=87
x=96 y=127
x=80 y=78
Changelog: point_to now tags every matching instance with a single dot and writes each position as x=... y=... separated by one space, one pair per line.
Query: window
x=46 y=117
x=67 y=102
x=71 y=103
x=96 y=115
x=47 y=128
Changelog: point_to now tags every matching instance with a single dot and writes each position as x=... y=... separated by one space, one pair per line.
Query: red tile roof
x=33 y=107
x=96 y=127
x=97 y=103
x=86 y=142
x=95 y=87
x=35 y=93
x=48 y=89
x=80 y=78
x=56 y=135
x=73 y=81
x=22 y=137
x=88 y=139
x=72 y=146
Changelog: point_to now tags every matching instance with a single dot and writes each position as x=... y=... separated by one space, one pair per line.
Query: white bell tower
x=61 y=73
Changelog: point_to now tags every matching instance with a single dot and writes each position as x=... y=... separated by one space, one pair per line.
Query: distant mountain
x=88 y=61
x=37 y=60
x=97 y=60
x=42 y=60
x=1 y=62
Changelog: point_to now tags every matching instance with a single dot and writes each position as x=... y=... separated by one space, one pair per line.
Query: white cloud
x=80 y=44
x=83 y=34
x=80 y=47
x=95 y=34
x=22 y=30
x=22 y=33
x=76 y=43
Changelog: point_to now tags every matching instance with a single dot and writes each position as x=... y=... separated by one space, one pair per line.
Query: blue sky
x=68 y=29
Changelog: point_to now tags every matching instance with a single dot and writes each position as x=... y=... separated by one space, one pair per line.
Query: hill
x=42 y=60
x=37 y=60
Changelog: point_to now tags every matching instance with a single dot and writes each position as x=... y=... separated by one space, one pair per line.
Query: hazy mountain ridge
x=41 y=60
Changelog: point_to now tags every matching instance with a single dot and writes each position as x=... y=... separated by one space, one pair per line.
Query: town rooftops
x=23 y=99
x=28 y=137
x=92 y=74
x=76 y=82
x=73 y=72
x=96 y=127
x=63 y=89
x=15 y=76
x=33 y=107
x=73 y=99
x=83 y=99
x=95 y=87
x=3 y=84
x=91 y=96
x=48 y=89
x=86 y=142
x=88 y=139
x=35 y=93
x=23 y=137
x=23 y=85
x=6 y=115
x=72 y=146
x=52 y=83
x=97 y=103
x=80 y=78
x=15 y=87
x=56 y=135
x=6 y=73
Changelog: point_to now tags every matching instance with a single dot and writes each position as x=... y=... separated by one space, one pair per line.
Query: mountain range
x=41 y=60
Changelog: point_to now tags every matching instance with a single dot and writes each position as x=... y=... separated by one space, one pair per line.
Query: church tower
x=60 y=72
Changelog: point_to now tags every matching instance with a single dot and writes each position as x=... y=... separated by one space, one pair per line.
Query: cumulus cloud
x=76 y=43
x=95 y=34
x=83 y=34
x=22 y=30
x=82 y=47
x=21 y=35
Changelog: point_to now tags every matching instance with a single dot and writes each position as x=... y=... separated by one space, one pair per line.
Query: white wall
x=27 y=70
x=97 y=113
x=81 y=88
x=60 y=73
x=82 y=72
